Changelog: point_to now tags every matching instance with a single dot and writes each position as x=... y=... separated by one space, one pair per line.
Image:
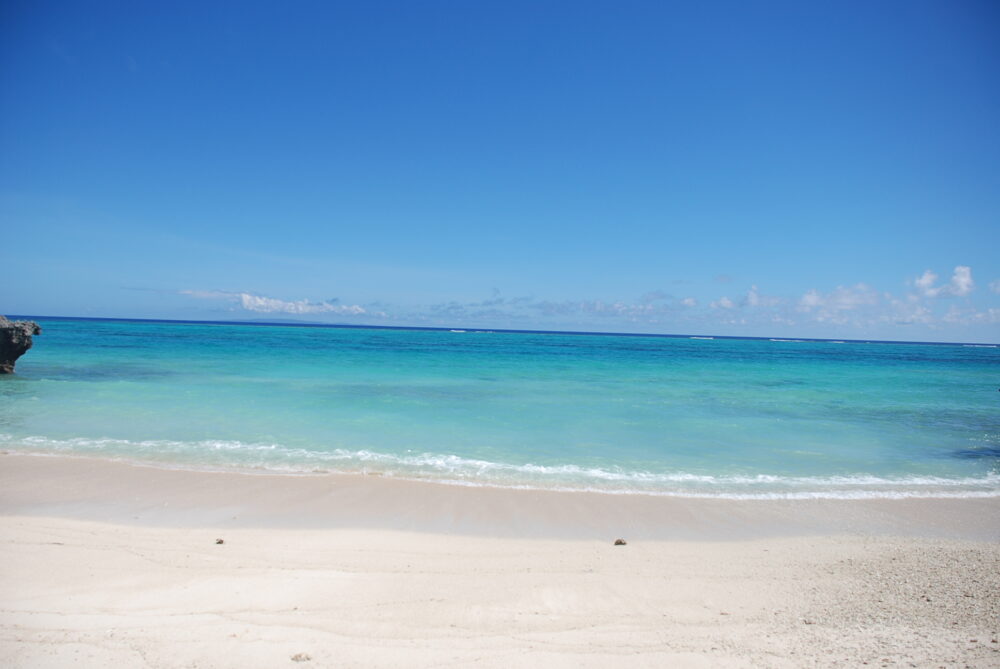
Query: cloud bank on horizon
x=269 y=305
x=852 y=309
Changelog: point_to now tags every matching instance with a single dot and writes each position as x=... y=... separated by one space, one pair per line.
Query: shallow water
x=624 y=414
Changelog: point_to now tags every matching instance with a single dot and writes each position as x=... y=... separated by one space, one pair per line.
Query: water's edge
x=456 y=471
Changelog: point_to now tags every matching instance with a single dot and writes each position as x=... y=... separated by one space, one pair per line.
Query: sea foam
x=230 y=455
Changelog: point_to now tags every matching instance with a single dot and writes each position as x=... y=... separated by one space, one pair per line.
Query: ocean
x=619 y=414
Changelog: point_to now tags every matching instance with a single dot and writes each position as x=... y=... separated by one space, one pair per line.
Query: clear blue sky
x=762 y=168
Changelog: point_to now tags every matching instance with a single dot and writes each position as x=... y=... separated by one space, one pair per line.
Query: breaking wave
x=234 y=455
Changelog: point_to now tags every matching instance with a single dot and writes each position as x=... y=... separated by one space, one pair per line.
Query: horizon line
x=456 y=329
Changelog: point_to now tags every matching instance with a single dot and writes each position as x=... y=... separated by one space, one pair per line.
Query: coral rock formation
x=15 y=339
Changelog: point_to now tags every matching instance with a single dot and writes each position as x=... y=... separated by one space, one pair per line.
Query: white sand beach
x=109 y=564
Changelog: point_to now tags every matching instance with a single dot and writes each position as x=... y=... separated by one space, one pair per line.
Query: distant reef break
x=15 y=340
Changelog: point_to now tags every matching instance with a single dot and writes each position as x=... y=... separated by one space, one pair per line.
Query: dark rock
x=15 y=339
x=619 y=542
x=220 y=541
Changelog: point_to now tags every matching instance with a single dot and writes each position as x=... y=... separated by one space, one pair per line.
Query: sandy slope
x=115 y=590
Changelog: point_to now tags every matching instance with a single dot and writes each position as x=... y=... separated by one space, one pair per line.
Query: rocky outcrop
x=15 y=339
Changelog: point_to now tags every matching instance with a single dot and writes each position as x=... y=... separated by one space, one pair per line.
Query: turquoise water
x=620 y=414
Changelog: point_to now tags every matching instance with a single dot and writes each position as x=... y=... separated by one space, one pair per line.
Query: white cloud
x=810 y=300
x=271 y=305
x=969 y=316
x=859 y=307
x=644 y=310
x=722 y=303
x=907 y=312
x=755 y=299
x=925 y=284
x=843 y=298
x=207 y=294
x=841 y=306
x=961 y=283
x=600 y=308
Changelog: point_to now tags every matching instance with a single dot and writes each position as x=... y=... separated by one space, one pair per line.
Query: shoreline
x=727 y=487
x=87 y=488
x=112 y=564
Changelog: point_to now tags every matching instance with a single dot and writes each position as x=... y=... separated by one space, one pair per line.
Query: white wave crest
x=456 y=470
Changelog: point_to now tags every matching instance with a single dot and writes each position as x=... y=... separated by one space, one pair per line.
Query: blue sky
x=750 y=168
